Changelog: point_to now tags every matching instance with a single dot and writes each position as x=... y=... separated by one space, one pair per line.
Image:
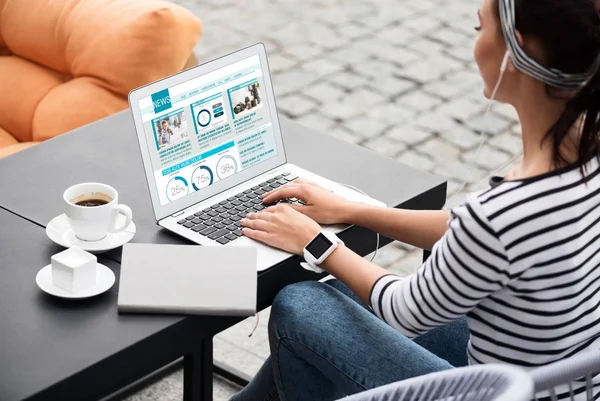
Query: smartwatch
x=319 y=249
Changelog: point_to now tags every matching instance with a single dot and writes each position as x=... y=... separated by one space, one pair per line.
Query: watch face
x=318 y=246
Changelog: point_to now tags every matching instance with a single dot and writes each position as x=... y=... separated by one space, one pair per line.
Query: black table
x=83 y=351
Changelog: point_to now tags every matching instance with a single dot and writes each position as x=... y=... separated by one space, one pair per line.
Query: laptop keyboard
x=221 y=221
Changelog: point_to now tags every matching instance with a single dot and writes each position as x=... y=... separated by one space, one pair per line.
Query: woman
x=514 y=271
x=165 y=134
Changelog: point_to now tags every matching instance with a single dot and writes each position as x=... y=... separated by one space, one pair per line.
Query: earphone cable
x=371 y=260
x=484 y=131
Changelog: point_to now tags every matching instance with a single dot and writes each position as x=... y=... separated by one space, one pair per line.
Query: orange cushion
x=73 y=104
x=9 y=150
x=124 y=43
x=6 y=139
x=22 y=85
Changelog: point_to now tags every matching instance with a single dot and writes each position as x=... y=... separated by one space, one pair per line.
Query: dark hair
x=569 y=34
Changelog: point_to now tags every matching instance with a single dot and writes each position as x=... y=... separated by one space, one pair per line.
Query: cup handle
x=125 y=211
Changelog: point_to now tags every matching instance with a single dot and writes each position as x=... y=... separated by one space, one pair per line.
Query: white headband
x=526 y=64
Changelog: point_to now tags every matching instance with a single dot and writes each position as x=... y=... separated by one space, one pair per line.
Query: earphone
x=503 y=67
x=504 y=63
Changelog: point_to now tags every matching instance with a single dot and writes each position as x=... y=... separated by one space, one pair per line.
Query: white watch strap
x=313 y=266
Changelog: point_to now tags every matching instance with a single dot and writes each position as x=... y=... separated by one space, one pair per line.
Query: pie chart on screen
x=203 y=118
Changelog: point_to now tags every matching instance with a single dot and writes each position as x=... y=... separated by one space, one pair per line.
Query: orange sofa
x=66 y=63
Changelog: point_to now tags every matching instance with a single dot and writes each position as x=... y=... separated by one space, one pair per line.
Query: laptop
x=211 y=145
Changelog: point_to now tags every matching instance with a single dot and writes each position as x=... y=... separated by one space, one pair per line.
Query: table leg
x=198 y=373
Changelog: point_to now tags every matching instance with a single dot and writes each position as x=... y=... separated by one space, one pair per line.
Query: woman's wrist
x=350 y=211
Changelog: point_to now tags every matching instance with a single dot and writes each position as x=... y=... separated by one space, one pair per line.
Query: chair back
x=492 y=382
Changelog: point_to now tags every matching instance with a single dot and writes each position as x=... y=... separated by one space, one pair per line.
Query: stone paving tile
x=487 y=158
x=296 y=105
x=409 y=264
x=418 y=100
x=460 y=171
x=292 y=81
x=302 y=52
x=416 y=160
x=365 y=127
x=409 y=134
x=423 y=71
x=462 y=137
x=170 y=388
x=491 y=125
x=448 y=37
x=389 y=255
x=348 y=80
x=391 y=114
x=457 y=84
x=342 y=110
x=460 y=109
x=441 y=151
x=375 y=68
x=507 y=142
x=322 y=67
x=316 y=121
x=231 y=354
x=364 y=97
x=392 y=86
x=385 y=146
x=333 y=60
x=345 y=135
x=280 y=62
x=324 y=92
x=506 y=111
x=435 y=122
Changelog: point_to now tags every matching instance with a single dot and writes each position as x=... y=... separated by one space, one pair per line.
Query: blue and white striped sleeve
x=466 y=265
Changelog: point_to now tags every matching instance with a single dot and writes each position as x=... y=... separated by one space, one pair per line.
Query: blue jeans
x=326 y=343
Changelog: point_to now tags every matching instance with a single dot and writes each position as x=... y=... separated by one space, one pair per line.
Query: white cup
x=92 y=223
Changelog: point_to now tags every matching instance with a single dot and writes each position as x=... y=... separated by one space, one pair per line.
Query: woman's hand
x=281 y=227
x=322 y=206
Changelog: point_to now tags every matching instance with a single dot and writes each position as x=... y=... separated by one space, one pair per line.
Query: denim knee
x=297 y=306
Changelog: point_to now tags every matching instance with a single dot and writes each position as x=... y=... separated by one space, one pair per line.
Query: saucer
x=59 y=231
x=105 y=278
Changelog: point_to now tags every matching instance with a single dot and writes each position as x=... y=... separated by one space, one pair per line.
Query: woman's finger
x=264 y=215
x=276 y=191
x=255 y=224
x=296 y=191
x=301 y=209
x=258 y=235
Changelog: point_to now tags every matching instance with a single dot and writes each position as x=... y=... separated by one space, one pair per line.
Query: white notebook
x=188 y=279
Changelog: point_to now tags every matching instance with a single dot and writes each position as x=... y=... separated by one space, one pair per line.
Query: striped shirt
x=521 y=260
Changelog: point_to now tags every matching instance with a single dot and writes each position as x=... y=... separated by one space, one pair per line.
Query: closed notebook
x=188 y=279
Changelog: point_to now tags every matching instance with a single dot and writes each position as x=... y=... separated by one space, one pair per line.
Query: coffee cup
x=93 y=210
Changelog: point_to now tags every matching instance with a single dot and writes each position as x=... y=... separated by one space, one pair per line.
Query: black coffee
x=91 y=199
x=91 y=202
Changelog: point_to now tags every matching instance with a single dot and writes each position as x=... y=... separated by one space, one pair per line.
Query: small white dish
x=105 y=278
x=59 y=231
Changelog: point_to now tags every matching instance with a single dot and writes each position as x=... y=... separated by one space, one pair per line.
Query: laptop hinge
x=178 y=213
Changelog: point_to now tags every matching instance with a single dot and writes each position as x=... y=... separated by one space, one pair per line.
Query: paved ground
x=395 y=76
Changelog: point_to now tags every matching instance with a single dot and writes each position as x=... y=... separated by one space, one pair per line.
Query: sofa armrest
x=192 y=62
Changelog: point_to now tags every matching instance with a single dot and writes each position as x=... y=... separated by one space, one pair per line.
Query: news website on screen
x=208 y=128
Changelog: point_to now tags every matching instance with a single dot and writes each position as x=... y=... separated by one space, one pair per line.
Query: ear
x=519 y=38
x=511 y=66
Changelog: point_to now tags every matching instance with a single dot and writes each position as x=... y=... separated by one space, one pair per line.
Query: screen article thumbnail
x=245 y=97
x=170 y=129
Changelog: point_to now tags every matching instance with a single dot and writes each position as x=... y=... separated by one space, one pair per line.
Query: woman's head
x=558 y=34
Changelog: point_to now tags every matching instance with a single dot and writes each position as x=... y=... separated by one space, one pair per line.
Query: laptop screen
x=208 y=128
